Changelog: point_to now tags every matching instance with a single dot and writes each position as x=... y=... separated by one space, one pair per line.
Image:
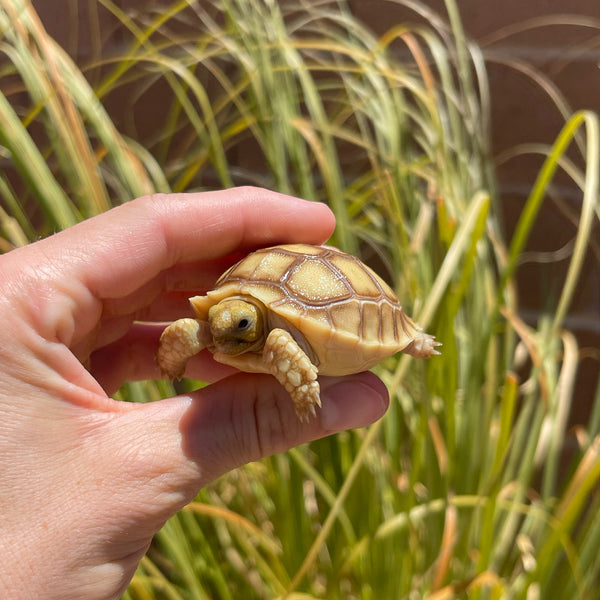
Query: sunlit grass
x=459 y=491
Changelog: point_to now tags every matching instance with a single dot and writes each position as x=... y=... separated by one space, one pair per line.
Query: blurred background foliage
x=475 y=484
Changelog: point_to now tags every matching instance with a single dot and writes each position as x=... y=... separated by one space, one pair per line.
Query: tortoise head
x=236 y=326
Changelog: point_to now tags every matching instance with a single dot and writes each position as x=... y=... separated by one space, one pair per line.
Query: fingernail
x=353 y=401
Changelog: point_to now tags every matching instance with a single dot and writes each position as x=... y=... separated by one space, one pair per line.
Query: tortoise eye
x=244 y=324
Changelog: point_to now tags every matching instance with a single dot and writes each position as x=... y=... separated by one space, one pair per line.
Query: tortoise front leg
x=290 y=365
x=181 y=340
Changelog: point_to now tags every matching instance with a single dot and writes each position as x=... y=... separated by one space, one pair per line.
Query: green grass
x=459 y=492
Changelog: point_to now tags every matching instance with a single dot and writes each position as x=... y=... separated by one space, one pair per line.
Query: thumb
x=191 y=439
x=246 y=417
x=136 y=465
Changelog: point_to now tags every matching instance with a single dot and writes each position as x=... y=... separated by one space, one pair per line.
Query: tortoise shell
x=338 y=310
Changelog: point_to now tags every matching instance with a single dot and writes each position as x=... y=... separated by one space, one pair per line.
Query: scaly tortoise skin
x=294 y=311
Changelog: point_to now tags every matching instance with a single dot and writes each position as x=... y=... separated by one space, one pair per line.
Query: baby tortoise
x=295 y=311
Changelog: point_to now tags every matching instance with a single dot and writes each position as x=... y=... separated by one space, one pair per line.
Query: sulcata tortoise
x=295 y=311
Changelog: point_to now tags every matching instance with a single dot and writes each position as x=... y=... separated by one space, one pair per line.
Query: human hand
x=85 y=480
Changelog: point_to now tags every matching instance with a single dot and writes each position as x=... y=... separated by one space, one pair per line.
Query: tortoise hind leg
x=422 y=346
x=290 y=365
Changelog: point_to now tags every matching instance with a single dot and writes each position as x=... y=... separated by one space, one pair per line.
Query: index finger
x=115 y=253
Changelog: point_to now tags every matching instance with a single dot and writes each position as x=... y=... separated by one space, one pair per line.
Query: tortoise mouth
x=235 y=347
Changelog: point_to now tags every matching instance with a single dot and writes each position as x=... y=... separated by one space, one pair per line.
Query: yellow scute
x=346 y=317
x=355 y=272
x=313 y=281
x=272 y=266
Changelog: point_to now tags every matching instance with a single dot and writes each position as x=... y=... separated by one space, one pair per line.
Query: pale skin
x=86 y=481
